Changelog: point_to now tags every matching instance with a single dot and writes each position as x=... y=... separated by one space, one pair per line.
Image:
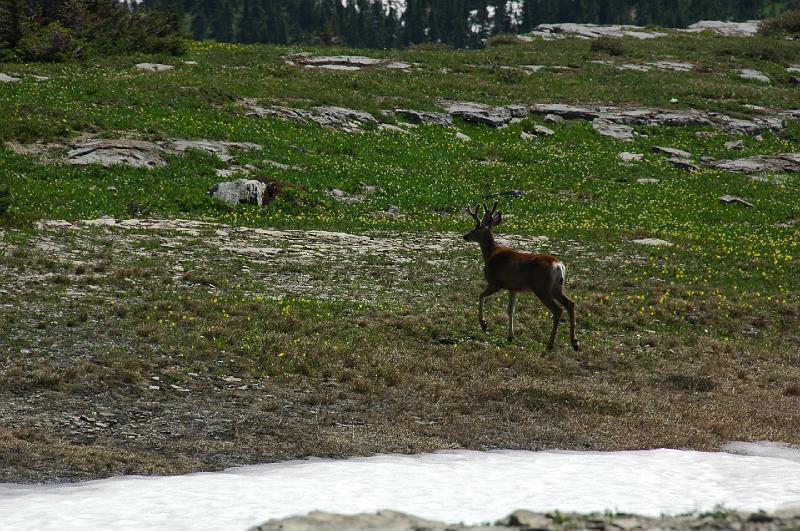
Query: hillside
x=146 y=327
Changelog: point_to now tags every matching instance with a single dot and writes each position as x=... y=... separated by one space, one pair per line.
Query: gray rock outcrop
x=753 y=75
x=136 y=153
x=479 y=113
x=345 y=63
x=727 y=29
x=592 y=31
x=425 y=117
x=532 y=521
x=341 y=118
x=219 y=148
x=616 y=131
x=776 y=163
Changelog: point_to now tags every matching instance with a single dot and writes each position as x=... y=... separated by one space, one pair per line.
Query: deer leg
x=490 y=290
x=512 y=299
x=556 y=310
x=570 y=306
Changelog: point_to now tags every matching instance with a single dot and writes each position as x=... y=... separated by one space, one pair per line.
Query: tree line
x=459 y=23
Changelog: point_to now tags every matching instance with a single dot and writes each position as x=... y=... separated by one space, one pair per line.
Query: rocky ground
x=529 y=521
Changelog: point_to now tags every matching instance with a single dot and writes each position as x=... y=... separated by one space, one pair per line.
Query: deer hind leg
x=556 y=310
x=512 y=299
x=490 y=290
x=570 y=306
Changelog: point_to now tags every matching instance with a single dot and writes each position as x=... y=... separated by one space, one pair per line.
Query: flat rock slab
x=753 y=75
x=426 y=117
x=682 y=163
x=479 y=113
x=627 y=156
x=672 y=152
x=341 y=118
x=592 y=31
x=728 y=199
x=154 y=67
x=5 y=78
x=219 y=148
x=728 y=29
x=777 y=163
x=616 y=131
x=653 y=242
x=344 y=62
x=135 y=153
x=676 y=67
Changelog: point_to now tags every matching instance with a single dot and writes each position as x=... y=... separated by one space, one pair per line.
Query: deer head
x=491 y=219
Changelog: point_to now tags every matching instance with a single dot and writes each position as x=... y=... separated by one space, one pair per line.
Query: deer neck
x=488 y=245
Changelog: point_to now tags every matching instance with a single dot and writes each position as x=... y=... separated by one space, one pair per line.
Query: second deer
x=505 y=268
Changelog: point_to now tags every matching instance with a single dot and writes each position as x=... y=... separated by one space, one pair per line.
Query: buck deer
x=505 y=268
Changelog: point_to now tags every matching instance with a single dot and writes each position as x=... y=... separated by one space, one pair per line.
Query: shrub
x=50 y=43
x=609 y=45
x=787 y=23
x=5 y=199
x=503 y=39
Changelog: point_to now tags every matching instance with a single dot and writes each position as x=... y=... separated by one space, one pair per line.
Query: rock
x=669 y=65
x=655 y=242
x=5 y=78
x=426 y=117
x=478 y=113
x=382 y=520
x=728 y=29
x=565 y=111
x=647 y=180
x=227 y=172
x=392 y=128
x=517 y=111
x=532 y=68
x=553 y=119
x=776 y=163
x=342 y=118
x=344 y=62
x=527 y=520
x=191 y=63
x=679 y=153
x=344 y=197
x=592 y=31
x=218 y=148
x=154 y=67
x=463 y=137
x=754 y=75
x=543 y=131
x=615 y=131
x=241 y=191
x=728 y=199
x=527 y=136
x=684 y=164
x=673 y=100
x=136 y=153
x=41 y=78
x=793 y=69
x=735 y=144
x=627 y=156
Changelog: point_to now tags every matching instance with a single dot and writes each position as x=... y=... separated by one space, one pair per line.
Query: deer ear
x=496 y=219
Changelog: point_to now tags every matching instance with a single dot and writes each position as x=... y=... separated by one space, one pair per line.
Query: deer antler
x=474 y=215
x=487 y=214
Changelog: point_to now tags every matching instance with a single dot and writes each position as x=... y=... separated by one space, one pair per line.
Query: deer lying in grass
x=506 y=268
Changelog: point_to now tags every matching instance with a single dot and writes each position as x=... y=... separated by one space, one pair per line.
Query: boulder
x=154 y=67
x=734 y=144
x=342 y=118
x=136 y=153
x=241 y=191
x=627 y=156
x=776 y=163
x=543 y=131
x=461 y=136
x=478 y=113
x=615 y=131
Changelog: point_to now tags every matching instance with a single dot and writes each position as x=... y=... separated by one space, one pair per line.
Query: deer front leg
x=512 y=299
x=490 y=290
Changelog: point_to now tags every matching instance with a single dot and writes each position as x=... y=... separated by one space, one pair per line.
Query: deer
x=515 y=271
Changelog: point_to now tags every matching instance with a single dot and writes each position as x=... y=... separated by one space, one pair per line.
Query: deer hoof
x=575 y=346
x=510 y=339
x=483 y=325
